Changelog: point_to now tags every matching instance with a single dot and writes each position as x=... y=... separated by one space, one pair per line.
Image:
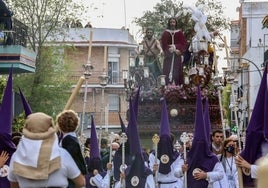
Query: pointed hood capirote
x=134 y=139
x=94 y=145
x=136 y=103
x=256 y=128
x=117 y=160
x=94 y=161
x=266 y=105
x=165 y=144
x=206 y=160
x=26 y=106
x=207 y=121
x=123 y=127
x=6 y=143
x=136 y=173
x=6 y=115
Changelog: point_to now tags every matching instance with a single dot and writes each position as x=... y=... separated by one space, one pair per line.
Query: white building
x=249 y=41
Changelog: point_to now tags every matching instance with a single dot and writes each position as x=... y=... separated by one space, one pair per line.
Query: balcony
x=14 y=51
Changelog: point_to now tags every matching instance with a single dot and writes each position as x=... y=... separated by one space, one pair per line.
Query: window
x=114 y=102
x=113 y=70
x=113 y=65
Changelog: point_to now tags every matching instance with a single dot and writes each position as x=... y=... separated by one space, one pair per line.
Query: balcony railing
x=94 y=78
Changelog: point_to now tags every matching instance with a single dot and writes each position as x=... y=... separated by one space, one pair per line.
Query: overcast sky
x=118 y=13
x=113 y=13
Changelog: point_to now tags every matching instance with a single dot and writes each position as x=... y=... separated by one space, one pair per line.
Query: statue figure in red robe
x=173 y=44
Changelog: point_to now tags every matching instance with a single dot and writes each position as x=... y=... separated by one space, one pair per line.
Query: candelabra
x=219 y=86
x=198 y=71
x=103 y=82
x=87 y=73
x=199 y=68
x=137 y=76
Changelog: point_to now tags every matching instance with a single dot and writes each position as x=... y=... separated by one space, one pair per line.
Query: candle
x=90 y=44
x=162 y=80
x=125 y=74
x=132 y=62
x=206 y=59
x=186 y=80
x=140 y=47
x=105 y=58
x=201 y=71
x=141 y=61
x=146 y=72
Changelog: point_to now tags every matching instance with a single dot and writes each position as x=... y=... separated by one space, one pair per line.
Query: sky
x=120 y=13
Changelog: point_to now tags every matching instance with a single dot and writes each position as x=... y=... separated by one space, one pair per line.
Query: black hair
x=216 y=131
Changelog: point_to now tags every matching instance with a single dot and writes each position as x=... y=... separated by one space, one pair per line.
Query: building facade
x=247 y=56
x=109 y=54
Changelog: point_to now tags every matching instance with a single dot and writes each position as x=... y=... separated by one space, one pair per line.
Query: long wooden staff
x=82 y=78
x=215 y=60
x=155 y=140
x=74 y=93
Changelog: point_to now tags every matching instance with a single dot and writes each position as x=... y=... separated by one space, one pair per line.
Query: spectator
x=68 y=121
x=88 y=25
x=38 y=160
x=227 y=158
x=216 y=144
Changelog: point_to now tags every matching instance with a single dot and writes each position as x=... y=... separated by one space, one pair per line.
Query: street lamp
x=239 y=58
x=245 y=104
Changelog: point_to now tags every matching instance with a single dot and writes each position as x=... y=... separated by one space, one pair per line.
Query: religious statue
x=174 y=45
x=151 y=49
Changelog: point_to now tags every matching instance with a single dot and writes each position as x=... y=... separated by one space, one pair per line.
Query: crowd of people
x=41 y=160
x=49 y=154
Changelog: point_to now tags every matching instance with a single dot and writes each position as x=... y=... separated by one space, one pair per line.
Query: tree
x=157 y=18
x=226 y=103
x=46 y=89
x=51 y=94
